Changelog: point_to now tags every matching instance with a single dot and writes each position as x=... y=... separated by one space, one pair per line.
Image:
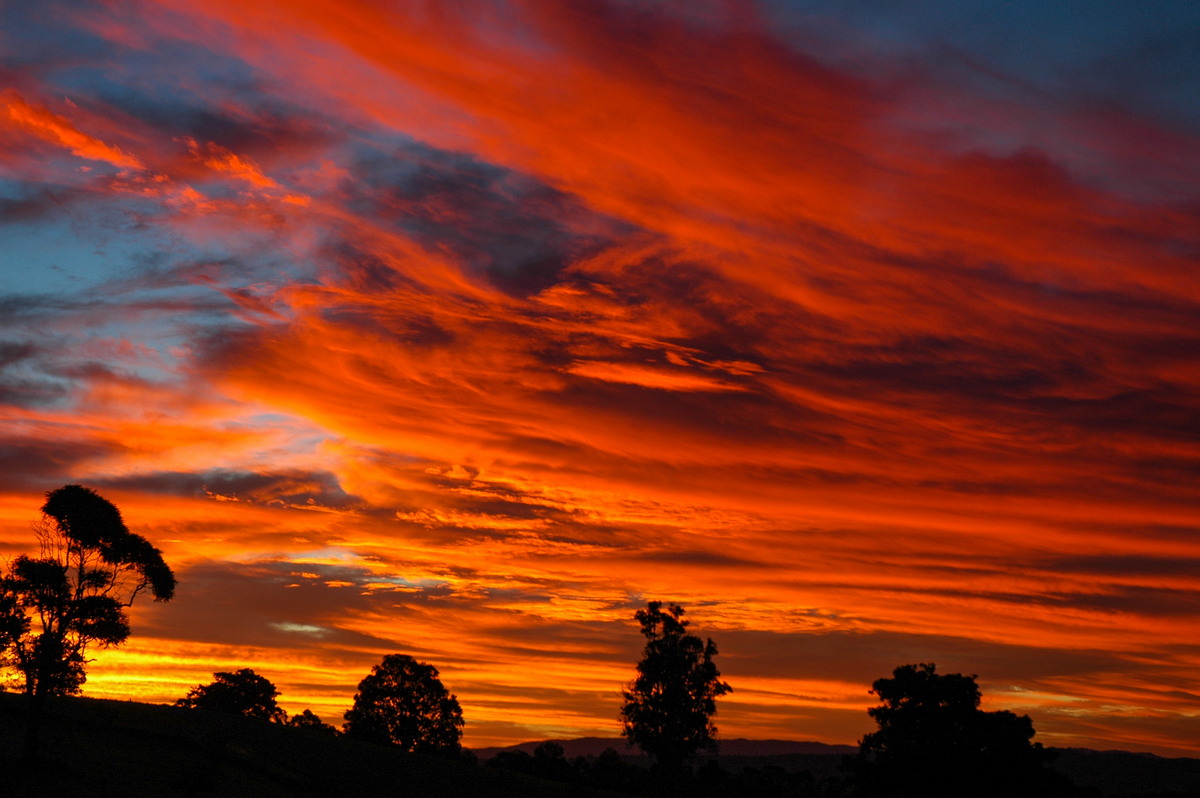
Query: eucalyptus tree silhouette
x=241 y=692
x=402 y=702
x=935 y=742
x=74 y=595
x=669 y=706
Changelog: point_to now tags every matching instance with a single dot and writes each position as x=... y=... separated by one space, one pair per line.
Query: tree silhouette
x=669 y=706
x=74 y=595
x=934 y=741
x=310 y=720
x=243 y=692
x=402 y=702
x=548 y=761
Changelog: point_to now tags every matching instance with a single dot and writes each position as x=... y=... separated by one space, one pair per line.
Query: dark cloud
x=35 y=465
x=1165 y=413
x=707 y=559
x=364 y=271
x=252 y=604
x=409 y=329
x=865 y=657
x=12 y=352
x=28 y=308
x=1147 y=535
x=519 y=232
x=35 y=205
x=302 y=489
x=1150 y=602
x=142 y=83
x=24 y=381
x=287 y=489
x=611 y=642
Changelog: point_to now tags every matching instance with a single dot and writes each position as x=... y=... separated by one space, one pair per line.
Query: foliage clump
x=402 y=702
x=934 y=741
x=241 y=692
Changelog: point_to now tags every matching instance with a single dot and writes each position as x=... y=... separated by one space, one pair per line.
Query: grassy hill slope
x=98 y=747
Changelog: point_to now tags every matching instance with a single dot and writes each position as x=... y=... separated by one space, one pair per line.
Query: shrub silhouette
x=243 y=692
x=669 y=706
x=402 y=702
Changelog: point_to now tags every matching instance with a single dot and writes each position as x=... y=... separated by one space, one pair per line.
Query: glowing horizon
x=462 y=330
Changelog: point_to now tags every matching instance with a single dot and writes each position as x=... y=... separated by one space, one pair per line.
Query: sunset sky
x=463 y=329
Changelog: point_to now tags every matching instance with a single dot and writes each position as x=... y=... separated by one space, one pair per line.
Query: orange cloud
x=39 y=122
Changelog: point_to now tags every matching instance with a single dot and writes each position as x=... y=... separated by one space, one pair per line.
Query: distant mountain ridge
x=1116 y=774
x=740 y=747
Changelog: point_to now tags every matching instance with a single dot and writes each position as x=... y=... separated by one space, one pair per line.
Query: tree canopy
x=402 y=702
x=669 y=706
x=242 y=692
x=934 y=740
x=75 y=594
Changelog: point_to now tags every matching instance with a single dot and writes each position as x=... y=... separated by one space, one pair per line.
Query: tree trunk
x=35 y=713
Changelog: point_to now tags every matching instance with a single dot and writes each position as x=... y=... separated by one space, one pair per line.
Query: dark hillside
x=738 y=747
x=1118 y=774
x=96 y=747
x=820 y=759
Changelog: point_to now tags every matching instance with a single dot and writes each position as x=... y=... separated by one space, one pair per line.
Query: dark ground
x=98 y=747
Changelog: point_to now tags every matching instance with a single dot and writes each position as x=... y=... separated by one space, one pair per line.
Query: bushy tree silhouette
x=669 y=706
x=74 y=595
x=242 y=692
x=402 y=702
x=935 y=742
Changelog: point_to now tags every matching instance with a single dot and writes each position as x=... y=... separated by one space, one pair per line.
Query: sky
x=868 y=332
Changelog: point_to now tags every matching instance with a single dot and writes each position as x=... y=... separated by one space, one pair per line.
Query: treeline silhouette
x=932 y=741
x=611 y=772
x=401 y=703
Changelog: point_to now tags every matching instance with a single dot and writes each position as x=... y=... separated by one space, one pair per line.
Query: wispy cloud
x=39 y=122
